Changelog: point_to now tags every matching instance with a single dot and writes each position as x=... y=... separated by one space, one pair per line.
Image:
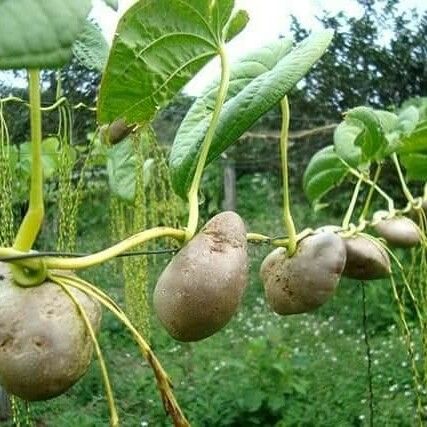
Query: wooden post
x=229 y=201
x=5 y=409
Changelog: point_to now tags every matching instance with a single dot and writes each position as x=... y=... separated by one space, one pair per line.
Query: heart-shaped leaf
x=159 y=46
x=415 y=165
x=265 y=80
x=324 y=172
x=39 y=34
x=371 y=138
x=345 y=136
x=415 y=141
x=91 y=48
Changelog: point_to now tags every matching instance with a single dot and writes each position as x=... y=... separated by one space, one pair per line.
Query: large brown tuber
x=44 y=344
x=201 y=288
x=305 y=281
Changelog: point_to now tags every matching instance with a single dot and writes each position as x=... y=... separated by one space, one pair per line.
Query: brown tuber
x=305 y=281
x=44 y=344
x=366 y=259
x=400 y=232
x=200 y=289
x=115 y=132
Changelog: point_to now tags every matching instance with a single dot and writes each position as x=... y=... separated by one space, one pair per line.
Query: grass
x=262 y=369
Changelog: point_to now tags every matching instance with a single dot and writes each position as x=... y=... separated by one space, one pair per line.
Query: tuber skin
x=115 y=132
x=308 y=279
x=366 y=260
x=44 y=345
x=400 y=232
x=201 y=288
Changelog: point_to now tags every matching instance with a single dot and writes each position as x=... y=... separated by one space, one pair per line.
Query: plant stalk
x=405 y=188
x=79 y=263
x=193 y=198
x=33 y=219
x=287 y=216
x=368 y=200
x=350 y=210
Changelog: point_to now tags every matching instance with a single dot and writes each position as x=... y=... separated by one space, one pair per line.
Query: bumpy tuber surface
x=201 y=288
x=44 y=345
x=400 y=232
x=366 y=260
x=309 y=278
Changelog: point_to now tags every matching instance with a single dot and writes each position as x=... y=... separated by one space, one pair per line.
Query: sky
x=268 y=19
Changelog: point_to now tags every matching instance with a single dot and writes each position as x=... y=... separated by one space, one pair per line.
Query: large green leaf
x=159 y=46
x=415 y=165
x=91 y=49
x=324 y=172
x=415 y=141
x=265 y=78
x=371 y=138
x=39 y=33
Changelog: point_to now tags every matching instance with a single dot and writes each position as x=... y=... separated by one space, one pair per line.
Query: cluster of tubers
x=201 y=288
x=44 y=343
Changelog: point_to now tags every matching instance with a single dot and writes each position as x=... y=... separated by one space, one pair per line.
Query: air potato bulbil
x=44 y=344
x=366 y=260
x=400 y=232
x=305 y=281
x=201 y=288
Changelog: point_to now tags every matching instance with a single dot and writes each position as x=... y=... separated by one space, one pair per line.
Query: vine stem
x=193 y=198
x=114 y=419
x=350 y=210
x=163 y=381
x=368 y=200
x=79 y=263
x=368 y=181
x=287 y=215
x=33 y=219
x=405 y=188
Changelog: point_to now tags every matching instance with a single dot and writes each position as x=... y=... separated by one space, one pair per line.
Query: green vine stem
x=79 y=263
x=193 y=199
x=114 y=419
x=350 y=210
x=287 y=216
x=33 y=220
x=368 y=181
x=368 y=200
x=405 y=188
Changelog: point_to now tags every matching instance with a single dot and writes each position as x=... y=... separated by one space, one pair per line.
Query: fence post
x=5 y=410
x=229 y=202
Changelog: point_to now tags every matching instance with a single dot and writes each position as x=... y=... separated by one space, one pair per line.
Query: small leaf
x=39 y=34
x=345 y=136
x=236 y=24
x=50 y=157
x=408 y=119
x=415 y=165
x=159 y=46
x=371 y=138
x=324 y=172
x=265 y=81
x=121 y=166
x=91 y=48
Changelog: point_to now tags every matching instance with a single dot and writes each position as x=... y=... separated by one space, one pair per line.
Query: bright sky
x=268 y=19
